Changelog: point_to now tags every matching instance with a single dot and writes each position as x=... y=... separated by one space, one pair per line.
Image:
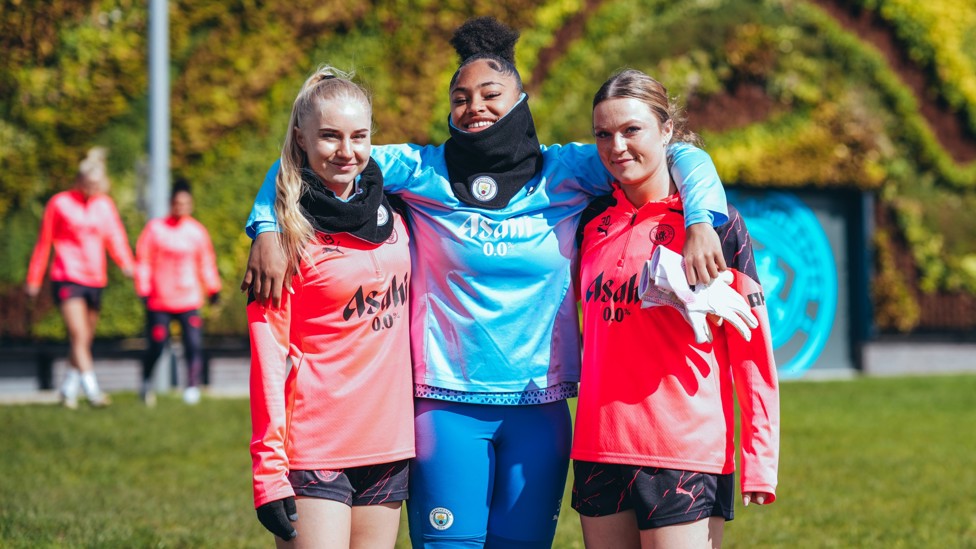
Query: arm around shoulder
x=266 y=274
x=699 y=184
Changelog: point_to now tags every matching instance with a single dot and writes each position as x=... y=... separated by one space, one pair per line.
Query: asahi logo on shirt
x=607 y=290
x=372 y=302
x=476 y=226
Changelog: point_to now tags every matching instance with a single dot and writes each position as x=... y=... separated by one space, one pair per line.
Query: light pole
x=159 y=150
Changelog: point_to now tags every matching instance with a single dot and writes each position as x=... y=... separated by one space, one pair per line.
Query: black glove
x=214 y=298
x=277 y=517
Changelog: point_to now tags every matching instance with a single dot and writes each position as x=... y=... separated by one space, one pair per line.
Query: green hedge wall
x=74 y=75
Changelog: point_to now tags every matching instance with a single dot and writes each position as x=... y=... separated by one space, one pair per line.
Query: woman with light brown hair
x=663 y=476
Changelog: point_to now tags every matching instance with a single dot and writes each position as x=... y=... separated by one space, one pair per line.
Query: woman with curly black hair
x=494 y=325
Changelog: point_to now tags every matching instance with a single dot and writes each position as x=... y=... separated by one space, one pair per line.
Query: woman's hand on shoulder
x=703 y=254
x=267 y=271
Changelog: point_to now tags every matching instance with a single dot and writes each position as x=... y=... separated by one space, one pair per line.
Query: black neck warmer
x=366 y=215
x=488 y=167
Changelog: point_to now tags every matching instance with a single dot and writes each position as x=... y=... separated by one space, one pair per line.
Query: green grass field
x=864 y=463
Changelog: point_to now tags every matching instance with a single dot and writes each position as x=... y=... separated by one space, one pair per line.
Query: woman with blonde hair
x=81 y=223
x=331 y=392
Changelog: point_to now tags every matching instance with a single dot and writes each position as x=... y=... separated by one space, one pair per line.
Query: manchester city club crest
x=441 y=518
x=382 y=215
x=484 y=188
x=796 y=268
x=662 y=235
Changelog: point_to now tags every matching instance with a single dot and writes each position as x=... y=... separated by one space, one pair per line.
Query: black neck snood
x=366 y=215
x=487 y=168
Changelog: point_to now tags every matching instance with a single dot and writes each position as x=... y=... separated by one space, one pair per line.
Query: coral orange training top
x=80 y=229
x=331 y=382
x=175 y=265
x=651 y=396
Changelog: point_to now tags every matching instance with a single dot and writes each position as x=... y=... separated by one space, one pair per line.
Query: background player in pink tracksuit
x=81 y=223
x=653 y=447
x=331 y=382
x=175 y=269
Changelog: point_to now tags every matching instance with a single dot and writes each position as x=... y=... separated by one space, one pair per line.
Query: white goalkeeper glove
x=663 y=282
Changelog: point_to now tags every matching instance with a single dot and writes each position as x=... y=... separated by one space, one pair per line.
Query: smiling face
x=632 y=143
x=336 y=141
x=482 y=95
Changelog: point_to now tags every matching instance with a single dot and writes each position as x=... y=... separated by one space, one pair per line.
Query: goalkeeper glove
x=277 y=517
x=663 y=282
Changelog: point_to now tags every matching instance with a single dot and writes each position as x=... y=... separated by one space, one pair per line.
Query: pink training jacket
x=331 y=381
x=175 y=265
x=80 y=229
x=651 y=396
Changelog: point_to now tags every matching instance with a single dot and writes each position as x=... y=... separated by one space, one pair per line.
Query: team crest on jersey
x=484 y=188
x=382 y=216
x=662 y=234
x=441 y=518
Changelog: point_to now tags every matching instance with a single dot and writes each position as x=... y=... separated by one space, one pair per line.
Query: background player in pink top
x=81 y=223
x=331 y=382
x=175 y=269
x=653 y=447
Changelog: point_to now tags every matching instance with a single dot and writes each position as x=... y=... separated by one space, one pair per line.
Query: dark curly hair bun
x=485 y=35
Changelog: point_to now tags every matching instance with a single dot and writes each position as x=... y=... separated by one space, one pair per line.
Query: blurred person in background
x=331 y=391
x=81 y=223
x=662 y=474
x=176 y=270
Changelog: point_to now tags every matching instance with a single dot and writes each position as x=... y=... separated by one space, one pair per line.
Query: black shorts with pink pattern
x=354 y=486
x=659 y=497
x=63 y=291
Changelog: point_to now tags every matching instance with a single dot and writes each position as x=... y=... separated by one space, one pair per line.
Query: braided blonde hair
x=327 y=83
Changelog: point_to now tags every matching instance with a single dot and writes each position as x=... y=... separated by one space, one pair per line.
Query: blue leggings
x=488 y=475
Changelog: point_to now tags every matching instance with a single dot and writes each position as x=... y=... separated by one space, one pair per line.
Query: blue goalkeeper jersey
x=493 y=302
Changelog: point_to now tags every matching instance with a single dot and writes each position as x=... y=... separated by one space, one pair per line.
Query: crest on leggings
x=441 y=518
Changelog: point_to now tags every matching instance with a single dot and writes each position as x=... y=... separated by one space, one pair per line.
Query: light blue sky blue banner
x=798 y=273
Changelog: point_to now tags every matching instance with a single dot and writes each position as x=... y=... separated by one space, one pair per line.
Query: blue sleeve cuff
x=262 y=217
x=699 y=216
x=255 y=228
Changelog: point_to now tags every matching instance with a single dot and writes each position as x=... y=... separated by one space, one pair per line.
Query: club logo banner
x=798 y=274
